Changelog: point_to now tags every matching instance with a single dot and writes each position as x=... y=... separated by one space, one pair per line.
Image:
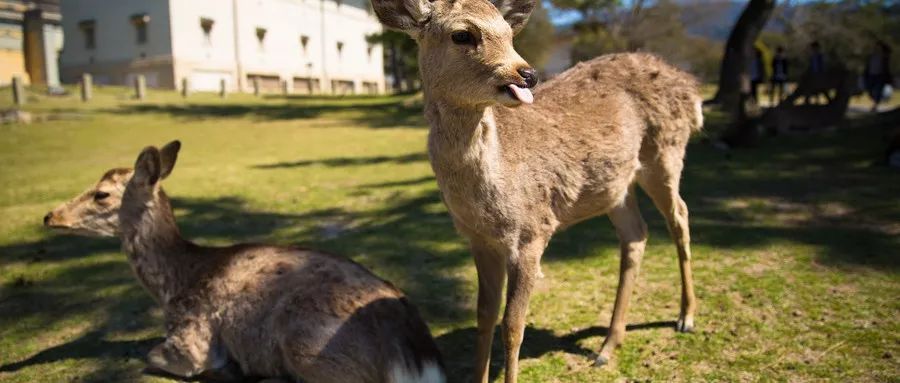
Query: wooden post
x=256 y=86
x=140 y=87
x=18 y=90
x=185 y=87
x=87 y=87
x=223 y=89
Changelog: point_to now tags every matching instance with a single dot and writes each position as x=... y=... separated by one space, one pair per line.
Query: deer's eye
x=462 y=37
x=99 y=196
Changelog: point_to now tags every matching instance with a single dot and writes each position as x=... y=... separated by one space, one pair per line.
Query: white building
x=309 y=46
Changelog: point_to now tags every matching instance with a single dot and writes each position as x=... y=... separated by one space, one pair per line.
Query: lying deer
x=787 y=116
x=511 y=177
x=275 y=312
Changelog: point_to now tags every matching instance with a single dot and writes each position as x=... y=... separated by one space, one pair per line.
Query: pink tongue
x=523 y=94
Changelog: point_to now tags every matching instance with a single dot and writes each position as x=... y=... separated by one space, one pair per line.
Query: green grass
x=796 y=243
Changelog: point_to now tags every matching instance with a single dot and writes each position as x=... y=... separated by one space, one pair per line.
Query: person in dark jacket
x=757 y=73
x=816 y=58
x=878 y=73
x=779 y=75
x=816 y=67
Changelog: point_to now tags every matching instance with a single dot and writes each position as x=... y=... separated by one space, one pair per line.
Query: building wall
x=117 y=57
x=204 y=61
x=53 y=43
x=42 y=43
x=232 y=51
x=281 y=52
x=12 y=58
x=352 y=23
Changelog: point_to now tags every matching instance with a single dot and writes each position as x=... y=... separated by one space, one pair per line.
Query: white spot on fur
x=430 y=373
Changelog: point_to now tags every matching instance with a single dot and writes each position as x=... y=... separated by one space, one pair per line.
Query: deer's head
x=95 y=212
x=466 y=53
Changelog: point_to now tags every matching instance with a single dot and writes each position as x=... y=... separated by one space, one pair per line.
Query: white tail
x=431 y=372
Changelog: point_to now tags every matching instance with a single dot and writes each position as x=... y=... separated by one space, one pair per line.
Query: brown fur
x=273 y=311
x=511 y=177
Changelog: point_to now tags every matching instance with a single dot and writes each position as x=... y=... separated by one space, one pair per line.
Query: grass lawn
x=796 y=243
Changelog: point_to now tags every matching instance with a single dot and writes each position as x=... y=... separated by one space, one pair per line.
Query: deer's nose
x=529 y=75
x=47 y=218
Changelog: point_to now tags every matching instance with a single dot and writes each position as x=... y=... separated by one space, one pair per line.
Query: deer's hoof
x=685 y=326
x=601 y=361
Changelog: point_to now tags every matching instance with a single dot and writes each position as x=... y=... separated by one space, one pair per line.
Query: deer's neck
x=463 y=139
x=160 y=257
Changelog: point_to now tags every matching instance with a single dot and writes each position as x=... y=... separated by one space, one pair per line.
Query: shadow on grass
x=368 y=112
x=97 y=295
x=349 y=161
x=90 y=345
x=458 y=346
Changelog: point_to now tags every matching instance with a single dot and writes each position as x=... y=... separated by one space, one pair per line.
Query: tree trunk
x=738 y=51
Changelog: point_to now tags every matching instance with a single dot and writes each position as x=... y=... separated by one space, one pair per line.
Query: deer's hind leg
x=660 y=180
x=632 y=233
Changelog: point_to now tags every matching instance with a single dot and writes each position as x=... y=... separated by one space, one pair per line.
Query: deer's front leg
x=491 y=265
x=189 y=350
x=523 y=267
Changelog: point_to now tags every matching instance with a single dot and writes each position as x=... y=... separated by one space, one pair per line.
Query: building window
x=206 y=25
x=304 y=42
x=88 y=30
x=140 y=22
x=261 y=37
x=339 y=2
x=369 y=48
x=340 y=49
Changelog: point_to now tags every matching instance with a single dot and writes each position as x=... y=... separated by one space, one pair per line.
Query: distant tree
x=644 y=25
x=738 y=51
x=401 y=59
x=535 y=42
x=847 y=30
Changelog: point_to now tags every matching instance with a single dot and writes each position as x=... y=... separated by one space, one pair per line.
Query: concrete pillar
x=33 y=46
x=18 y=90
x=256 y=89
x=87 y=87
x=185 y=87
x=285 y=87
x=140 y=87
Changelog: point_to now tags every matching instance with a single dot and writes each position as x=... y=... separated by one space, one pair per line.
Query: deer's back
x=304 y=312
x=579 y=145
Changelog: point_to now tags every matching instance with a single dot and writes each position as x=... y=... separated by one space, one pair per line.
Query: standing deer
x=252 y=310
x=512 y=175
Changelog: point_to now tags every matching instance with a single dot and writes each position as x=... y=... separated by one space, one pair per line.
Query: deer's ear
x=404 y=15
x=147 y=166
x=167 y=157
x=515 y=12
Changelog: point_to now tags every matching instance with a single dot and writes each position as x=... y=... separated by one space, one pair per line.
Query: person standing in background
x=779 y=75
x=816 y=65
x=816 y=58
x=757 y=73
x=878 y=73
